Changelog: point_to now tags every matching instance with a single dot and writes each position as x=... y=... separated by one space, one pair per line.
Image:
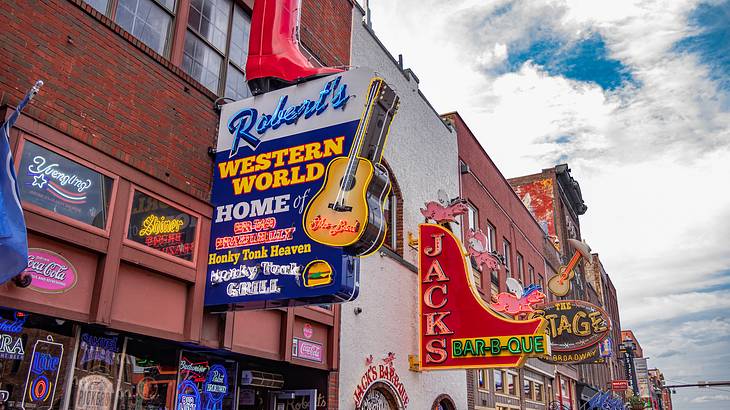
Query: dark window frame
x=24 y=137
x=111 y=13
x=144 y=248
x=226 y=55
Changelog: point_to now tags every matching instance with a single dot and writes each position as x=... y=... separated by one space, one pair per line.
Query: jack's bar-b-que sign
x=457 y=329
x=297 y=191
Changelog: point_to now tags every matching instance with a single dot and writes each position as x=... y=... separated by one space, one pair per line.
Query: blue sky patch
x=712 y=42
x=585 y=60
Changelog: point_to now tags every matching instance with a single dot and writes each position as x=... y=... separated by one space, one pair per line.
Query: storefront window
x=482 y=379
x=34 y=360
x=511 y=389
x=205 y=382
x=498 y=383
x=97 y=370
x=538 y=392
x=160 y=226
x=149 y=376
x=527 y=387
x=63 y=186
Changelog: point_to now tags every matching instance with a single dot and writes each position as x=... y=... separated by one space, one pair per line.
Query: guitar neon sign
x=66 y=187
x=242 y=122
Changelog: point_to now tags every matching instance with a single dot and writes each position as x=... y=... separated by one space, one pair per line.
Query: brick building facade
x=129 y=103
x=513 y=233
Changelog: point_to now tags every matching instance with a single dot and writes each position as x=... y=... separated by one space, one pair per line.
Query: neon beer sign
x=155 y=225
x=67 y=187
x=457 y=329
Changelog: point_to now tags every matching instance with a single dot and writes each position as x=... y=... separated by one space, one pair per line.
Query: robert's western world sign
x=295 y=170
x=457 y=328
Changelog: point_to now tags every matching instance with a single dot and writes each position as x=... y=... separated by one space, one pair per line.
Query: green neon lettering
x=513 y=348
x=527 y=344
x=457 y=348
x=540 y=344
x=479 y=345
x=494 y=346
x=468 y=347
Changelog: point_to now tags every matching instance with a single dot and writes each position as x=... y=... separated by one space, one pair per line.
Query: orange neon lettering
x=428 y=296
x=436 y=320
x=437 y=247
x=435 y=351
x=435 y=271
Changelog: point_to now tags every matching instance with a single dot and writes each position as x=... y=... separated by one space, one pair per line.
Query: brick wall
x=326 y=30
x=333 y=391
x=102 y=90
x=108 y=90
x=487 y=189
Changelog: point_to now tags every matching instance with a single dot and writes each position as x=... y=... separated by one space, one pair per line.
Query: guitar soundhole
x=347 y=183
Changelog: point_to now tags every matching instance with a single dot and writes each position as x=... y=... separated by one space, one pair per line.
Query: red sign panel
x=457 y=329
x=619 y=385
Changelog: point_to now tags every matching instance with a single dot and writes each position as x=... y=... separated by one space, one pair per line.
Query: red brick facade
x=107 y=89
x=111 y=102
x=326 y=30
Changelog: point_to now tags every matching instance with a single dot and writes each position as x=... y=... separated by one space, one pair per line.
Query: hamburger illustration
x=317 y=273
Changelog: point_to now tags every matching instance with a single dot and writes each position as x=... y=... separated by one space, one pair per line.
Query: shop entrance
x=379 y=397
x=293 y=399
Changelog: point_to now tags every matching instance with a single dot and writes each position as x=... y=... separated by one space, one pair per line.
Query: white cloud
x=653 y=160
x=662 y=308
x=714 y=397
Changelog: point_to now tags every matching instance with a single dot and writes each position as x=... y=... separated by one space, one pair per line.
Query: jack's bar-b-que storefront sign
x=457 y=329
x=576 y=329
x=297 y=192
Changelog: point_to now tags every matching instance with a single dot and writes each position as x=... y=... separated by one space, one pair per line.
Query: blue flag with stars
x=13 y=236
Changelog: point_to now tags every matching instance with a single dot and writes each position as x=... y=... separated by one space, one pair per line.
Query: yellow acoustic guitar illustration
x=348 y=209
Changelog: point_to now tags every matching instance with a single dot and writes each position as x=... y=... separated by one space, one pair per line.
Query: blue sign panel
x=273 y=158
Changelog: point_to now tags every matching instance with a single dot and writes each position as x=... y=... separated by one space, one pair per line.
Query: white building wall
x=423 y=155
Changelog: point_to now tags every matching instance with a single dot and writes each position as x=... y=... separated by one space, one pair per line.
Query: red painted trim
x=43 y=309
x=145 y=330
x=50 y=214
x=142 y=257
x=315 y=315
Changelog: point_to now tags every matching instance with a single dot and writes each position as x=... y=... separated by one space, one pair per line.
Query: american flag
x=13 y=236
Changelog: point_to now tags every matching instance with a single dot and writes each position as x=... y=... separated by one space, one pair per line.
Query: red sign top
x=457 y=328
x=619 y=384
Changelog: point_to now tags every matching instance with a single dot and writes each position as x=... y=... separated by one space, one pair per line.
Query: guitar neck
x=377 y=128
x=373 y=92
x=571 y=264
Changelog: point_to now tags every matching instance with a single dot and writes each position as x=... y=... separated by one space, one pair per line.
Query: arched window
x=379 y=397
x=443 y=402
x=393 y=214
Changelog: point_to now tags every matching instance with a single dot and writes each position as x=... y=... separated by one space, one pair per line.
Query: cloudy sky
x=635 y=96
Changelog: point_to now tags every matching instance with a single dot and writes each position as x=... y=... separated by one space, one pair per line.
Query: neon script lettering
x=43 y=362
x=48 y=269
x=243 y=122
x=41 y=166
x=15 y=326
x=155 y=225
x=320 y=222
x=97 y=348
